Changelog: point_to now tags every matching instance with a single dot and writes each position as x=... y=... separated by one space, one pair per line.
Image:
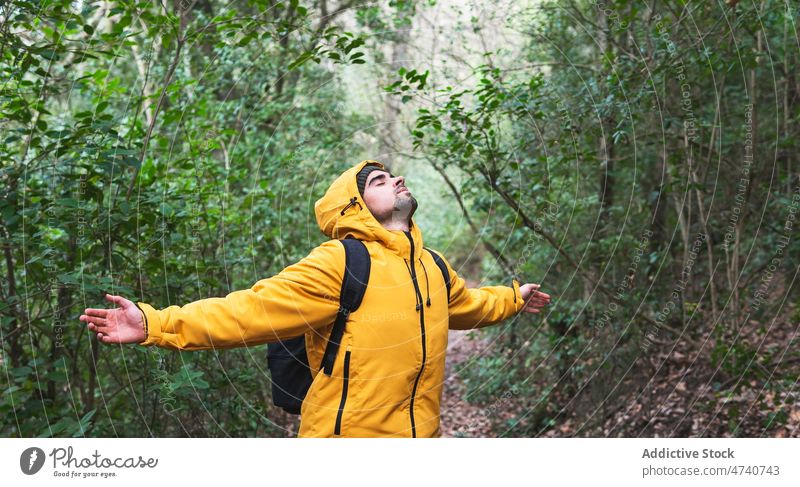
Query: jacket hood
x=342 y=212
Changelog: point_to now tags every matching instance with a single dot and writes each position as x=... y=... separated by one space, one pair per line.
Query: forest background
x=638 y=159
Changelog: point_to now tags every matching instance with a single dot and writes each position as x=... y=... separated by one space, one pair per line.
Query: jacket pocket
x=337 y=430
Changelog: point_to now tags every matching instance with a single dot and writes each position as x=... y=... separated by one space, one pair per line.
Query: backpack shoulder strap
x=354 y=285
x=442 y=267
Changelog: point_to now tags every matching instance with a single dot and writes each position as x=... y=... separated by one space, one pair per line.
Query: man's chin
x=409 y=203
x=404 y=208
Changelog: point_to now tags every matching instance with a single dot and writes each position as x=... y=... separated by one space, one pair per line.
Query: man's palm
x=119 y=325
x=534 y=299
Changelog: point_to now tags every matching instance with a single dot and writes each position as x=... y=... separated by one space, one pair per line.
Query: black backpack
x=287 y=359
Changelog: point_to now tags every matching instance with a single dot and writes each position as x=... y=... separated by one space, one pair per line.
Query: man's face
x=388 y=198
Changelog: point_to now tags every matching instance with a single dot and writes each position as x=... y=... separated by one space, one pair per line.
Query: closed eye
x=380 y=178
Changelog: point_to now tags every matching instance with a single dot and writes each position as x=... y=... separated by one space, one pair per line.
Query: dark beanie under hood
x=361 y=177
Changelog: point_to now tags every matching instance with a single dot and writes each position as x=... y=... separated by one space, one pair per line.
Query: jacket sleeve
x=302 y=297
x=480 y=307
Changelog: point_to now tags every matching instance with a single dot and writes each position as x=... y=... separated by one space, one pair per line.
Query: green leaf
x=20 y=372
x=300 y=60
x=84 y=423
x=69 y=278
x=68 y=202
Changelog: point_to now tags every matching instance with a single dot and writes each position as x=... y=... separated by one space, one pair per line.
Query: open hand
x=534 y=299
x=120 y=325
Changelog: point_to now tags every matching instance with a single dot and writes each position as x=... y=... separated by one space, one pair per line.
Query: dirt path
x=460 y=418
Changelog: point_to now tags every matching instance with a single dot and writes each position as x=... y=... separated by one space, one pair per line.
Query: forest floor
x=691 y=397
x=682 y=394
x=460 y=418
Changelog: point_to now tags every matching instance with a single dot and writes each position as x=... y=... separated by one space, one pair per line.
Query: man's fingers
x=104 y=338
x=96 y=312
x=119 y=300
x=95 y=320
x=114 y=299
x=532 y=287
x=109 y=340
x=98 y=328
x=539 y=294
x=537 y=301
x=535 y=293
x=535 y=306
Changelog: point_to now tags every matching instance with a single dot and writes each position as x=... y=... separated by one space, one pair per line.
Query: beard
x=403 y=209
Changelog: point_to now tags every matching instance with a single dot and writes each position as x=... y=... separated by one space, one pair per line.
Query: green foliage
x=597 y=167
x=168 y=155
x=164 y=155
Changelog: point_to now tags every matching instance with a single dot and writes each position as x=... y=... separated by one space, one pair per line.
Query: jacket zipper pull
x=417 y=300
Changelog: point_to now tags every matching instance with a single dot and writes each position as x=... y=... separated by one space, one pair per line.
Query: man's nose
x=399 y=180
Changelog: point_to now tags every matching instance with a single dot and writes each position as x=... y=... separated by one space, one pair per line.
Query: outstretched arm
x=488 y=305
x=301 y=297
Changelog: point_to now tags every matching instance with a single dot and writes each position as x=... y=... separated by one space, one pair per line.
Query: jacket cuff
x=518 y=302
x=152 y=325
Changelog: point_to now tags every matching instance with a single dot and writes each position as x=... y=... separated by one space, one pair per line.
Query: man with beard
x=388 y=374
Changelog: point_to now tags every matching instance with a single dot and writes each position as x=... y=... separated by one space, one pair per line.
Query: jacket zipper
x=337 y=430
x=422 y=330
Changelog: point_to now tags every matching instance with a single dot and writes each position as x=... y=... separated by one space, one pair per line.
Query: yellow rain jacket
x=388 y=374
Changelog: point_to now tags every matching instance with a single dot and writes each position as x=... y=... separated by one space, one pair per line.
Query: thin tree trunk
x=391 y=107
